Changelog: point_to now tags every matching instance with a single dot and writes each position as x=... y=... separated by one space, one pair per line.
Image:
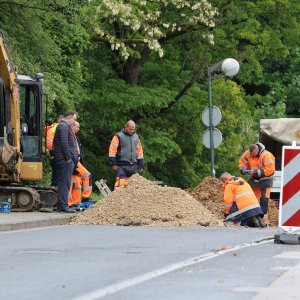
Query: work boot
x=256 y=222
x=261 y=223
x=47 y=209
x=67 y=210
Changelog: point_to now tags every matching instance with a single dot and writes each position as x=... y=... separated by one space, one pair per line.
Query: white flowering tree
x=133 y=28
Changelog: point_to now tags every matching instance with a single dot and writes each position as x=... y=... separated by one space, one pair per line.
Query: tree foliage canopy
x=114 y=60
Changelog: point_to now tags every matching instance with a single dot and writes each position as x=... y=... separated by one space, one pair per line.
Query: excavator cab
x=31 y=127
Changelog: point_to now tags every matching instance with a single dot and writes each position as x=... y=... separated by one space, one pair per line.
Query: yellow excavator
x=21 y=138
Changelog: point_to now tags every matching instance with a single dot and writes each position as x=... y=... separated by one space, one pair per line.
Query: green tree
x=132 y=29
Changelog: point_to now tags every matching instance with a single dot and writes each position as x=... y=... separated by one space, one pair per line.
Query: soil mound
x=144 y=203
x=273 y=214
x=210 y=194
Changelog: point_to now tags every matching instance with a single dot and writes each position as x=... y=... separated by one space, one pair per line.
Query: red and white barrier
x=289 y=208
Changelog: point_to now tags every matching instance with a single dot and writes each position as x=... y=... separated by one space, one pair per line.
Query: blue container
x=86 y=204
x=5 y=207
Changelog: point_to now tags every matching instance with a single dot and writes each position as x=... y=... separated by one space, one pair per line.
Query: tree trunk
x=131 y=70
x=132 y=66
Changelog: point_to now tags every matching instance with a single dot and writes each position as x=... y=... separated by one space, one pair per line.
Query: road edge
x=35 y=224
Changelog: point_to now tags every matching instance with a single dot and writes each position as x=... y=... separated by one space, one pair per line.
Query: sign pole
x=212 y=158
x=229 y=67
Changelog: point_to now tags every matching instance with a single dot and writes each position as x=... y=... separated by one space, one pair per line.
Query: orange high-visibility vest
x=50 y=133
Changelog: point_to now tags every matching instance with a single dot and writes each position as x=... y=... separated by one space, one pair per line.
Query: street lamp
x=229 y=67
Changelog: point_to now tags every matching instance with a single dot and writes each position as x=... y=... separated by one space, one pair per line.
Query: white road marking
x=288 y=255
x=111 y=289
x=281 y=268
x=284 y=287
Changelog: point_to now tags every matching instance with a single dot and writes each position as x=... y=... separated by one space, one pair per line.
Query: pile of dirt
x=210 y=194
x=144 y=203
x=273 y=214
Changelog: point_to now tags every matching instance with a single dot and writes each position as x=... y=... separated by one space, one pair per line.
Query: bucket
x=4 y=207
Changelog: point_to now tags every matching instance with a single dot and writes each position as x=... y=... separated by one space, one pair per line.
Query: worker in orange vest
x=260 y=165
x=50 y=133
x=240 y=202
x=126 y=154
x=81 y=181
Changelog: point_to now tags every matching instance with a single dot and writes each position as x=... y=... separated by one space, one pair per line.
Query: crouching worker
x=126 y=154
x=81 y=181
x=240 y=203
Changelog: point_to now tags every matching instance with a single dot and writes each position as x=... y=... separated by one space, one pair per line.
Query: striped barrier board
x=289 y=208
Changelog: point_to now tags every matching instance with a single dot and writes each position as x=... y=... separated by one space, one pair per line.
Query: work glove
x=75 y=172
x=75 y=163
x=244 y=171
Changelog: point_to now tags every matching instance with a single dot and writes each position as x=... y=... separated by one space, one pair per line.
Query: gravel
x=143 y=203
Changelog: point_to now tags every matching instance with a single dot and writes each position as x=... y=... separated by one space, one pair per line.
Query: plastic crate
x=86 y=204
x=4 y=207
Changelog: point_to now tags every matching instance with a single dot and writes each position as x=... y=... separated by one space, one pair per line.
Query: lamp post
x=229 y=67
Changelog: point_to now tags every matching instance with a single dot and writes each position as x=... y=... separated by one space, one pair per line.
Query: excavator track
x=28 y=198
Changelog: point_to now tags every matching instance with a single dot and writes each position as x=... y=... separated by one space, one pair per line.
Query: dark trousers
x=65 y=171
x=54 y=176
x=127 y=171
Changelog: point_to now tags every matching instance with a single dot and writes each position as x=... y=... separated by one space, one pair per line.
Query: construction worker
x=240 y=203
x=81 y=181
x=126 y=154
x=260 y=165
x=50 y=133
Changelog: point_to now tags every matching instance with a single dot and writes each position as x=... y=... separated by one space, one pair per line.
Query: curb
x=35 y=224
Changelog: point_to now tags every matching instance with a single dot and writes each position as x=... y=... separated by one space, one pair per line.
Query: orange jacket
x=239 y=195
x=262 y=165
x=50 y=133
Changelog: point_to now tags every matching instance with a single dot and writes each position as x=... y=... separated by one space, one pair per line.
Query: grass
x=96 y=195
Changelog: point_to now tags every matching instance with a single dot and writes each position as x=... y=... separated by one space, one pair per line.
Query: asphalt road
x=107 y=262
